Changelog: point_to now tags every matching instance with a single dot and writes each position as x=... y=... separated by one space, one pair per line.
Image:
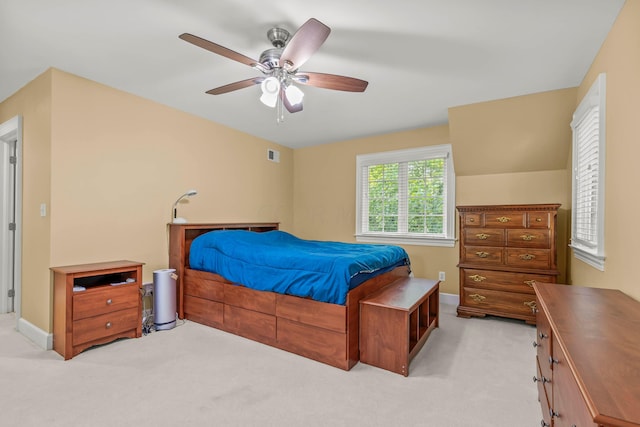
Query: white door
x=8 y=215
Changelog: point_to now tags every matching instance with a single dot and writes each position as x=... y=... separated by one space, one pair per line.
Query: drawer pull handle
x=528 y=237
x=553 y=361
x=482 y=236
x=542 y=335
x=553 y=413
x=472 y=220
x=477 y=278
x=108 y=325
x=482 y=254
x=477 y=297
x=541 y=379
x=535 y=344
x=527 y=257
x=530 y=283
x=503 y=219
x=538 y=219
x=109 y=301
x=532 y=305
x=543 y=423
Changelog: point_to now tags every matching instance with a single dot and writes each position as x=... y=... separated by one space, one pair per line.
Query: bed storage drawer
x=310 y=312
x=207 y=289
x=240 y=296
x=204 y=311
x=250 y=324
x=315 y=343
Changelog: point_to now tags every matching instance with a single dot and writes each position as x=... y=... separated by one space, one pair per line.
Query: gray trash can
x=164 y=299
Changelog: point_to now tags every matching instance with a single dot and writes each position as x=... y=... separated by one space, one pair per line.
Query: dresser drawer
x=505 y=219
x=108 y=299
x=473 y=219
x=514 y=303
x=538 y=219
x=97 y=327
x=528 y=258
x=484 y=237
x=544 y=394
x=529 y=238
x=502 y=280
x=482 y=255
x=543 y=342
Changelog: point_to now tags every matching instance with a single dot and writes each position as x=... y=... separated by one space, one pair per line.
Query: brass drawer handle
x=532 y=305
x=472 y=220
x=477 y=278
x=503 y=219
x=538 y=219
x=477 y=297
x=482 y=236
x=530 y=283
x=482 y=254
x=108 y=325
x=528 y=237
x=527 y=257
x=109 y=301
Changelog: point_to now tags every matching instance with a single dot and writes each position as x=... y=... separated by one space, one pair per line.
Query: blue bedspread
x=280 y=262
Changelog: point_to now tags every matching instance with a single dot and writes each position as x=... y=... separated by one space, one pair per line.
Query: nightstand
x=95 y=304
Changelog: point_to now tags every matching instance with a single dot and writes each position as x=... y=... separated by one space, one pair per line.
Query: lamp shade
x=270 y=90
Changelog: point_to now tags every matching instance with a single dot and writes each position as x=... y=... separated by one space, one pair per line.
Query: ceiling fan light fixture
x=294 y=95
x=270 y=90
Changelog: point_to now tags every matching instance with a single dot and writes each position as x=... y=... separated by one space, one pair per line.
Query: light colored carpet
x=471 y=372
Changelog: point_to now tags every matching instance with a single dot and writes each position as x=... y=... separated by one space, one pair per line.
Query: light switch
x=43 y=209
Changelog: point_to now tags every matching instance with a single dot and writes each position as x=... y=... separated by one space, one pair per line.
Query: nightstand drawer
x=105 y=300
x=94 y=328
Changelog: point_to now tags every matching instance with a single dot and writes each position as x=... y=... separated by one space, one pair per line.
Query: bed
x=327 y=332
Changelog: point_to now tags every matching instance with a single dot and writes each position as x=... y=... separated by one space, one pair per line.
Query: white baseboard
x=450 y=299
x=41 y=338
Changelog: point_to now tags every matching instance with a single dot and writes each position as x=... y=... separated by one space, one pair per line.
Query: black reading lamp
x=176 y=219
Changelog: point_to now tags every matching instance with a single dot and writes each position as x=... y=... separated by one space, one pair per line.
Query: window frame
x=399 y=156
x=590 y=251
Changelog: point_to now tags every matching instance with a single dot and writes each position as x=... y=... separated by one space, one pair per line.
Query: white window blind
x=406 y=196
x=588 y=125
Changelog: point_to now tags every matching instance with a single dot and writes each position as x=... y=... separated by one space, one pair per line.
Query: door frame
x=10 y=131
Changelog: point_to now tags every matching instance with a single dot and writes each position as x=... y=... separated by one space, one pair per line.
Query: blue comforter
x=280 y=262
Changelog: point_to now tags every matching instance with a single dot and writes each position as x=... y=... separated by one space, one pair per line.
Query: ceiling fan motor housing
x=270 y=58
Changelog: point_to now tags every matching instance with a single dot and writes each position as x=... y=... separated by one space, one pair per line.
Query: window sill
x=594 y=261
x=401 y=239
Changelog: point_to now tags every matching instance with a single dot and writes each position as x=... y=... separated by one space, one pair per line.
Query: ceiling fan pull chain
x=280 y=110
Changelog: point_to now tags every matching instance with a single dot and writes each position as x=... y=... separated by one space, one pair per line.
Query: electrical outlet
x=441 y=276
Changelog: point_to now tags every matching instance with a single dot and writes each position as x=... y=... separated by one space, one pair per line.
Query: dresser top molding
x=534 y=207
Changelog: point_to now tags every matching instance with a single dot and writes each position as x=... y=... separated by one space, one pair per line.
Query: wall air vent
x=273 y=155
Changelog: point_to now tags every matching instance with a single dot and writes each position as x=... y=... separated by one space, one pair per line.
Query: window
x=406 y=196
x=587 y=222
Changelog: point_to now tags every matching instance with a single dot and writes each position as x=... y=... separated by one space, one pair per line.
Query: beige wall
x=33 y=102
x=619 y=58
x=117 y=164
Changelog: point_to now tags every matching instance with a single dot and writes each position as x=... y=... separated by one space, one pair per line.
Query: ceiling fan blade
x=304 y=43
x=216 y=48
x=332 y=81
x=235 y=86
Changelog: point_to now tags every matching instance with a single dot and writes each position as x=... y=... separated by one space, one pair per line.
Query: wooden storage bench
x=396 y=322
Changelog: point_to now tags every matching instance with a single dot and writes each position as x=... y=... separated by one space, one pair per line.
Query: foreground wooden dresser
x=587 y=356
x=504 y=250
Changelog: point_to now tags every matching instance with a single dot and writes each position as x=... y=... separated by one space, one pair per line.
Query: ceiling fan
x=280 y=67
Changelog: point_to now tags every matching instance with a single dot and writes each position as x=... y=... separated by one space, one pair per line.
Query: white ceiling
x=420 y=57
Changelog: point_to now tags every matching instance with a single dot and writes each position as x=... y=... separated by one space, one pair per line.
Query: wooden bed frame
x=328 y=333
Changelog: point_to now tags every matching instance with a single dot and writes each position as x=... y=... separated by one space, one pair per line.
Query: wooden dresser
x=587 y=356
x=504 y=250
